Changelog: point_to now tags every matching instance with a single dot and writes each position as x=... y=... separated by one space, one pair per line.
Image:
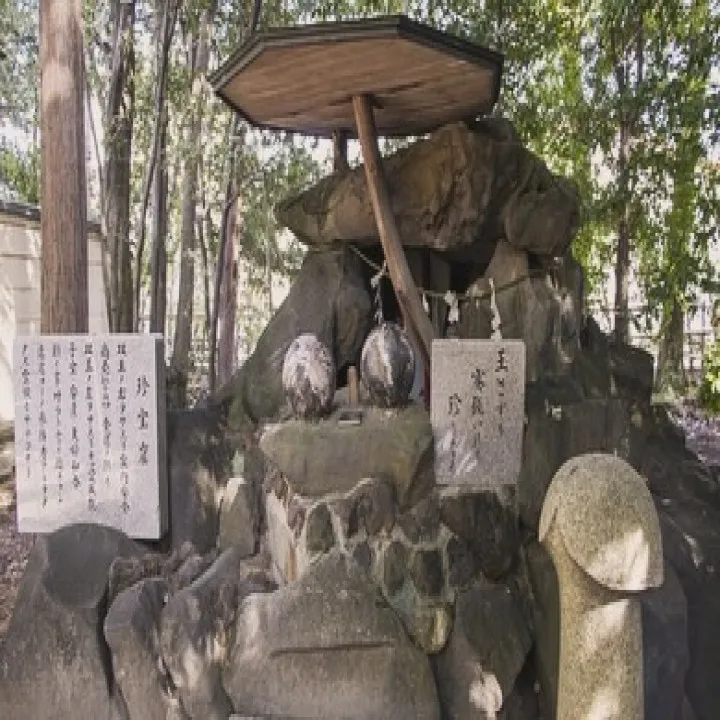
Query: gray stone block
x=131 y=631
x=490 y=640
x=54 y=662
x=327 y=647
x=324 y=458
x=90 y=433
x=477 y=408
x=238 y=518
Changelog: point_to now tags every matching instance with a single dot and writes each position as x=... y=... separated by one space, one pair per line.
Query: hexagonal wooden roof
x=302 y=79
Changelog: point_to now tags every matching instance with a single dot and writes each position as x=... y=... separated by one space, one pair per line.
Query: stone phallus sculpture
x=600 y=527
x=387 y=365
x=308 y=377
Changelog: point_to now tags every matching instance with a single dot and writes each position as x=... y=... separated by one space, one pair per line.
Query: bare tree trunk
x=622 y=284
x=206 y=275
x=671 y=376
x=103 y=214
x=64 y=257
x=230 y=199
x=629 y=114
x=622 y=256
x=119 y=129
x=227 y=310
x=183 y=325
x=158 y=259
x=165 y=32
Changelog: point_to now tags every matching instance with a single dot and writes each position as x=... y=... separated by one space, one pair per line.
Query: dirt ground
x=14 y=549
x=702 y=433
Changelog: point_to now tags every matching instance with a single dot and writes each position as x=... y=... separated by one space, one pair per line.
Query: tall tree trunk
x=626 y=55
x=206 y=273
x=105 y=253
x=670 y=377
x=231 y=197
x=227 y=310
x=622 y=254
x=622 y=283
x=268 y=276
x=164 y=34
x=64 y=257
x=158 y=258
x=119 y=128
x=199 y=53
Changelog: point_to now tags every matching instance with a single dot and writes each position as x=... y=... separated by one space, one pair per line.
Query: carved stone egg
x=387 y=365
x=308 y=377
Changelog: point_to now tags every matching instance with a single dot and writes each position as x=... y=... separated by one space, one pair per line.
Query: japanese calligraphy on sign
x=477 y=409
x=90 y=427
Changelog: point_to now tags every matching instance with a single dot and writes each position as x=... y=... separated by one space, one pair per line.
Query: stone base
x=420 y=558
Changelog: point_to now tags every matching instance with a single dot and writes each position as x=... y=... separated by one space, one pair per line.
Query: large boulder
x=487 y=521
x=54 y=662
x=545 y=614
x=691 y=543
x=329 y=299
x=543 y=306
x=131 y=631
x=688 y=503
x=327 y=646
x=665 y=648
x=195 y=629
x=198 y=467
x=239 y=517
x=324 y=458
x=476 y=671
x=555 y=433
x=449 y=191
x=633 y=371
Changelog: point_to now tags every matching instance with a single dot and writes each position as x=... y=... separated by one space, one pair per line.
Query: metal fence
x=700 y=331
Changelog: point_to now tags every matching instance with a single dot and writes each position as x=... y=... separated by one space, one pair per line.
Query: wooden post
x=340 y=147
x=400 y=276
x=63 y=221
x=353 y=387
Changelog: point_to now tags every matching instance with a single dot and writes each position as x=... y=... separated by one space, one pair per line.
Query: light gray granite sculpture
x=601 y=529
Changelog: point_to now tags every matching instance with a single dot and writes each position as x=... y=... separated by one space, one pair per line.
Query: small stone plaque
x=90 y=432
x=477 y=409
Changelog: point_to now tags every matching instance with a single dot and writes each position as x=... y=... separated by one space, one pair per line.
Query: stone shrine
x=334 y=566
x=90 y=432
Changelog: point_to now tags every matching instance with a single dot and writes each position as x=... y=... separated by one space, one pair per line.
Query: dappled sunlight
x=604 y=705
x=486 y=693
x=697 y=556
x=57 y=82
x=627 y=559
x=601 y=651
x=251 y=626
x=191 y=666
x=602 y=625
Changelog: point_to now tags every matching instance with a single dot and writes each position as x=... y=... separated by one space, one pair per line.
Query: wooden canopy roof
x=302 y=79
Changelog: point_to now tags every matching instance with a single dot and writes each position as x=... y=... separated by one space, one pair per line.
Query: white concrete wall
x=20 y=293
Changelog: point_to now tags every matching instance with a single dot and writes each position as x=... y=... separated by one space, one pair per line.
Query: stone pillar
x=601 y=529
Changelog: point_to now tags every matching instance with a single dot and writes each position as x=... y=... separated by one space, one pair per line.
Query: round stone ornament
x=308 y=377
x=387 y=365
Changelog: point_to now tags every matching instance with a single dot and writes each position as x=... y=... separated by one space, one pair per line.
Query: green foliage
x=578 y=74
x=709 y=390
x=20 y=173
x=18 y=65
